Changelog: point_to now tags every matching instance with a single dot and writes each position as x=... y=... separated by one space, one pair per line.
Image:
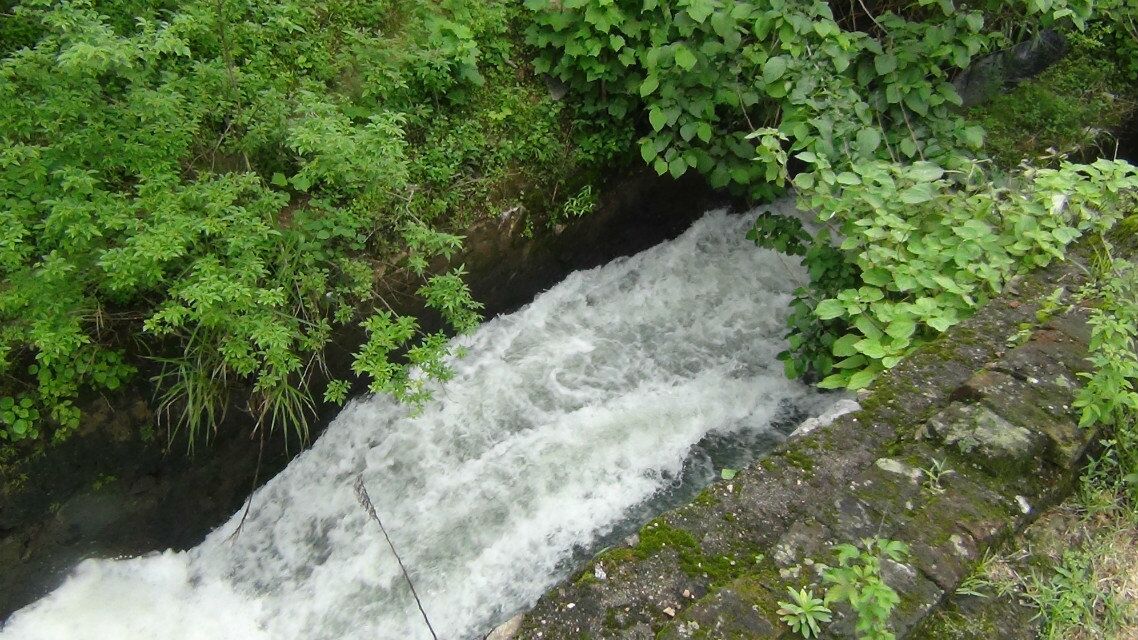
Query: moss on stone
x=706 y=498
x=586 y=578
x=658 y=534
x=799 y=458
x=1070 y=108
x=616 y=556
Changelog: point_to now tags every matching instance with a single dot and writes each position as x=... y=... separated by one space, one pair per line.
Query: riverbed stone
x=1044 y=407
x=976 y=431
x=744 y=608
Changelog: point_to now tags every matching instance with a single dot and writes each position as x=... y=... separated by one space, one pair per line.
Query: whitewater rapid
x=564 y=421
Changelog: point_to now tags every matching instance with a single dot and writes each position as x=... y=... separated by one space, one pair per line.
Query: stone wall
x=991 y=399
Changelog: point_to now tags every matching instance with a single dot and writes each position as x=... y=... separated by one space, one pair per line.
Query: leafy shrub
x=205 y=190
x=857 y=581
x=719 y=82
x=930 y=246
x=861 y=101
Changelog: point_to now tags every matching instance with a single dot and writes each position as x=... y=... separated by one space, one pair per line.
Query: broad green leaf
x=973 y=136
x=844 y=346
x=773 y=69
x=657 y=118
x=860 y=380
x=901 y=329
x=648 y=150
x=877 y=277
x=918 y=193
x=871 y=348
x=941 y=323
x=650 y=84
x=885 y=63
x=868 y=327
x=925 y=171
x=699 y=10
x=804 y=181
x=685 y=59
x=703 y=131
x=904 y=281
x=835 y=381
x=855 y=361
x=678 y=166
x=868 y=140
x=829 y=309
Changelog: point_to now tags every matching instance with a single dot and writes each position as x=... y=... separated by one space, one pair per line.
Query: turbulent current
x=615 y=393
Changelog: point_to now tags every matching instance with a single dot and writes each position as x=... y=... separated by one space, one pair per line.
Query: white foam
x=565 y=416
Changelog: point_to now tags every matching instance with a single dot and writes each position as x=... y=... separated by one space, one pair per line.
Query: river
x=617 y=393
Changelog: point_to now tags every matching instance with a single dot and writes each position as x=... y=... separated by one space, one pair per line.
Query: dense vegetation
x=201 y=192
x=197 y=196
x=856 y=103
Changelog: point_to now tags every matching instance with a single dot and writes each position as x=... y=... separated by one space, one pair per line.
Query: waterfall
x=614 y=394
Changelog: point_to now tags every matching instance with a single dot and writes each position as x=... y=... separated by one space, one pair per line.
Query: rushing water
x=619 y=390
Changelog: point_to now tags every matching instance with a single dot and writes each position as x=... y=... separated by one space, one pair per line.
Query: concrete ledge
x=993 y=405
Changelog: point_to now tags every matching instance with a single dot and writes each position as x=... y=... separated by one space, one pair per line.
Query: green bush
x=716 y=84
x=929 y=247
x=205 y=190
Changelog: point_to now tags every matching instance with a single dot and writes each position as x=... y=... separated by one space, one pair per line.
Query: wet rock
x=735 y=611
x=1002 y=71
x=557 y=89
x=840 y=408
x=1043 y=407
x=508 y=629
x=11 y=548
x=993 y=442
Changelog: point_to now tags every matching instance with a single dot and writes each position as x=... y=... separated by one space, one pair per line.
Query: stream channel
x=616 y=394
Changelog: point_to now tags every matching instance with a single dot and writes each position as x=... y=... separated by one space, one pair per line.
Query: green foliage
x=930 y=246
x=1072 y=600
x=720 y=83
x=207 y=190
x=804 y=613
x=579 y=205
x=857 y=581
x=1108 y=397
x=1113 y=30
x=861 y=99
x=934 y=473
